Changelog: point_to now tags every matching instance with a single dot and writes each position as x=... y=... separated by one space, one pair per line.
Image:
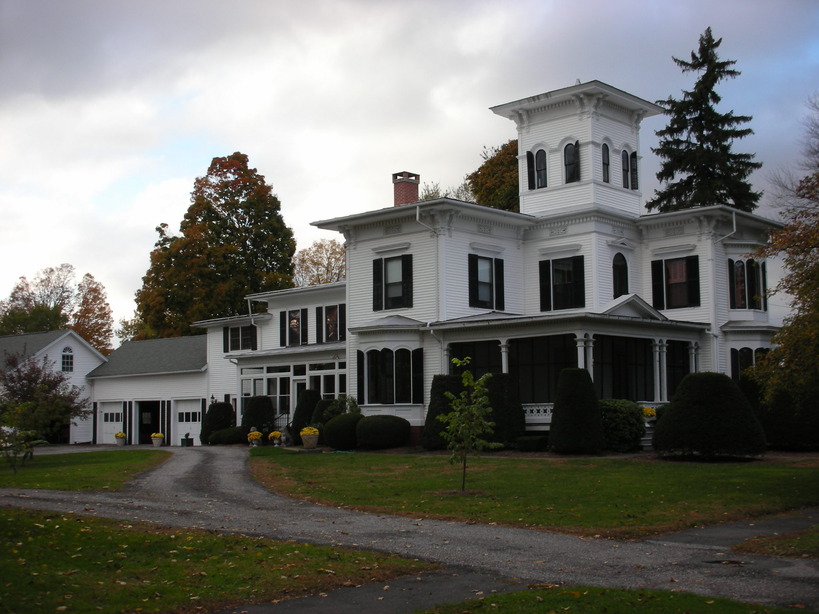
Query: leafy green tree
x=233 y=241
x=495 y=183
x=37 y=397
x=468 y=423
x=698 y=166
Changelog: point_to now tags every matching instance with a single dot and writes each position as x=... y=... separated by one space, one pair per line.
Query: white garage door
x=110 y=419
x=188 y=420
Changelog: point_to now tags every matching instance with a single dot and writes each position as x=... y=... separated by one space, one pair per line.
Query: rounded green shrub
x=340 y=431
x=304 y=412
x=623 y=425
x=228 y=436
x=382 y=432
x=577 y=426
x=259 y=412
x=708 y=418
x=439 y=404
x=218 y=416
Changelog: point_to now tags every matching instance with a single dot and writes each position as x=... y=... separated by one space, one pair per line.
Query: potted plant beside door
x=120 y=438
x=157 y=439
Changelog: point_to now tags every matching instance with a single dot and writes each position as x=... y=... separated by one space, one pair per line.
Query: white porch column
x=664 y=370
x=693 y=357
x=590 y=355
x=580 y=342
x=504 y=348
x=655 y=346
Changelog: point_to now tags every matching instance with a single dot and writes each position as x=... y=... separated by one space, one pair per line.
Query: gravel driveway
x=210 y=488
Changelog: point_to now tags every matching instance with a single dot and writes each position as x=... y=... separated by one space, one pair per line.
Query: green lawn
x=626 y=497
x=56 y=562
x=103 y=470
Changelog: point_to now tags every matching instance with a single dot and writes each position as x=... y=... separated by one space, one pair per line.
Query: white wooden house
x=68 y=353
x=580 y=277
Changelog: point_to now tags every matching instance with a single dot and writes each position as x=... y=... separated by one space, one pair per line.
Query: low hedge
x=382 y=432
x=229 y=436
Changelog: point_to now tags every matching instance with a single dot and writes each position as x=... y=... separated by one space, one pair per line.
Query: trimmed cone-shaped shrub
x=339 y=432
x=439 y=404
x=218 y=416
x=507 y=410
x=623 y=425
x=258 y=411
x=382 y=432
x=304 y=412
x=577 y=426
x=708 y=418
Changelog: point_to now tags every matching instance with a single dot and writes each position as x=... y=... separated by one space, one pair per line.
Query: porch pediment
x=632 y=306
x=387 y=323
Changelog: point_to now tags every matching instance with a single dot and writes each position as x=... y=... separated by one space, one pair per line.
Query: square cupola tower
x=578 y=147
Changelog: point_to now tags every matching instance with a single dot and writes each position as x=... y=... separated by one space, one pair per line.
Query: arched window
x=626 y=170
x=571 y=160
x=619 y=274
x=605 y=157
x=540 y=168
x=747 y=284
x=67 y=363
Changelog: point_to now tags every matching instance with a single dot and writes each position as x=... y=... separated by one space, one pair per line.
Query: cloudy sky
x=109 y=109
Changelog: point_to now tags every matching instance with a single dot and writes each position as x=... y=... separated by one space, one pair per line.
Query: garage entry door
x=111 y=420
x=188 y=420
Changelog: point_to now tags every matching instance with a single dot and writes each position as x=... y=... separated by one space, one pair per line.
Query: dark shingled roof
x=156 y=356
x=29 y=344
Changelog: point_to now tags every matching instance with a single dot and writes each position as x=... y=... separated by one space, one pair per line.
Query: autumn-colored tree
x=52 y=301
x=495 y=183
x=793 y=363
x=92 y=319
x=321 y=263
x=433 y=191
x=698 y=167
x=232 y=242
x=34 y=396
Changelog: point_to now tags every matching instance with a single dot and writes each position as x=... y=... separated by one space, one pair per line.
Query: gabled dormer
x=579 y=146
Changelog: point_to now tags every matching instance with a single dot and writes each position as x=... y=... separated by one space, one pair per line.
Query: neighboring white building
x=68 y=353
x=580 y=277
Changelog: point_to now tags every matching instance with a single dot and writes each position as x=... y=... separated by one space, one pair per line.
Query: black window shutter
x=578 y=282
x=472 y=273
x=360 y=376
x=658 y=284
x=226 y=339
x=577 y=160
x=500 y=304
x=303 y=327
x=545 y=285
x=634 y=184
x=342 y=322
x=406 y=279
x=763 y=271
x=254 y=343
x=418 y=376
x=319 y=325
x=283 y=329
x=692 y=276
x=732 y=285
x=530 y=169
x=378 y=284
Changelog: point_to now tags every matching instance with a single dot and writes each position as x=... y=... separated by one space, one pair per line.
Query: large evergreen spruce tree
x=699 y=168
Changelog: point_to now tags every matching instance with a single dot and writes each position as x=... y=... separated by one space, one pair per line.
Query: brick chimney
x=405 y=188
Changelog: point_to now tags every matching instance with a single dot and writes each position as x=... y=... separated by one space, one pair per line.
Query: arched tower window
x=67 y=362
x=571 y=160
x=604 y=152
x=619 y=274
x=540 y=168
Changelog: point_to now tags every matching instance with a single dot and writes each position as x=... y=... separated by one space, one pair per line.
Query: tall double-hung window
x=536 y=169
x=629 y=164
x=571 y=161
x=67 y=360
x=293 y=327
x=748 y=284
x=331 y=323
x=562 y=284
x=675 y=283
x=392 y=282
x=485 y=282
